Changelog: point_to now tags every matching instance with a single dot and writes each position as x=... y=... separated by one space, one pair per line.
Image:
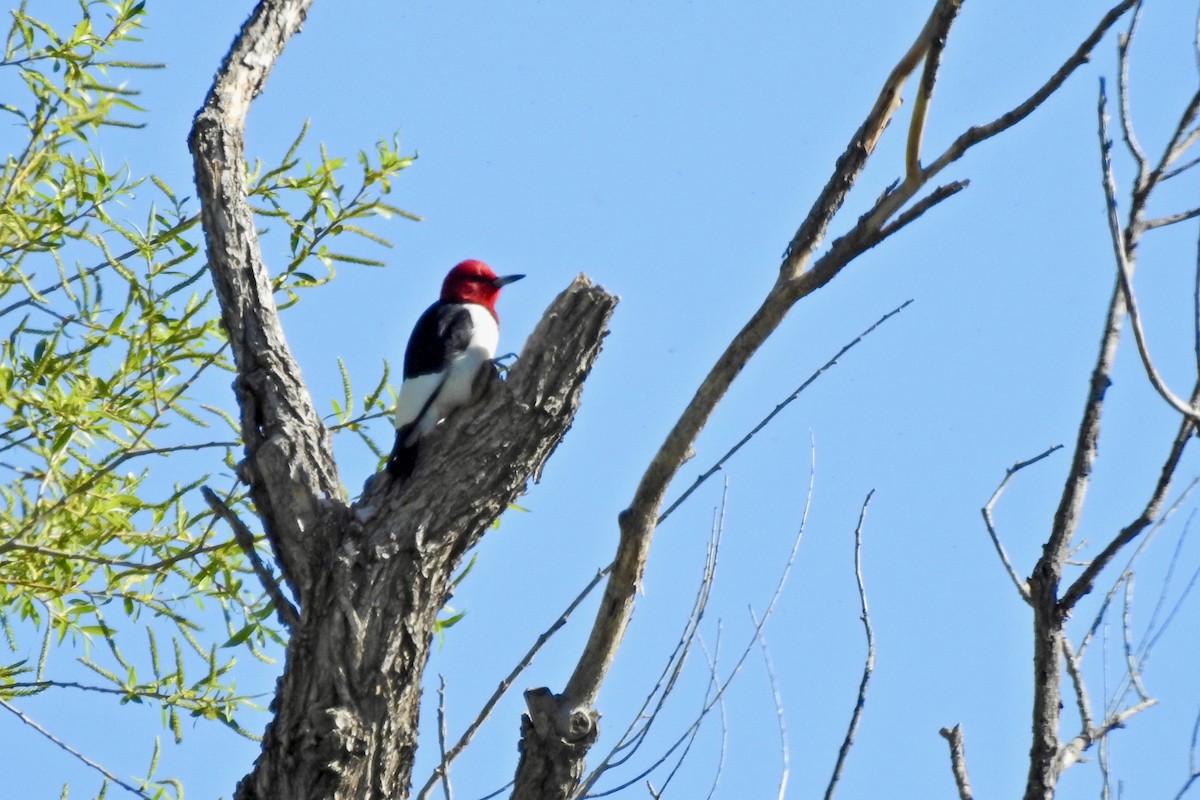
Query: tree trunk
x=370 y=577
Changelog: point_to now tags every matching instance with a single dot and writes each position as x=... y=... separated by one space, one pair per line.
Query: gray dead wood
x=370 y=578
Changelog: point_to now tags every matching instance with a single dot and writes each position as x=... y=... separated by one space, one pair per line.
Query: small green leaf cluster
x=316 y=205
x=110 y=343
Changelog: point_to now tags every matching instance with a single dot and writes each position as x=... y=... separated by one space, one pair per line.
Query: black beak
x=505 y=280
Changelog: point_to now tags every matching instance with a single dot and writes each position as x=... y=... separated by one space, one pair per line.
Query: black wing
x=448 y=323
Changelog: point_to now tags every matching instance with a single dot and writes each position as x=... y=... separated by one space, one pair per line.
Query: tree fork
x=371 y=577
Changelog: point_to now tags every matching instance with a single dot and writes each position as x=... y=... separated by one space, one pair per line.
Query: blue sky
x=669 y=150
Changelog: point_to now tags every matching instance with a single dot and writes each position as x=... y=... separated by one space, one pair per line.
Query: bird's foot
x=505 y=362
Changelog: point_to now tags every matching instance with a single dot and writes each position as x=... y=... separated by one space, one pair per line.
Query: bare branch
x=797 y=279
x=1137 y=657
x=1072 y=660
x=1121 y=251
x=784 y=750
x=868 y=666
x=917 y=209
x=1076 y=747
x=720 y=463
x=441 y=724
x=958 y=761
x=1181 y=141
x=287 y=612
x=1083 y=584
x=1132 y=667
x=1135 y=148
x=78 y=756
x=1193 y=767
x=719 y=695
x=1101 y=613
x=1018 y=582
x=867 y=232
x=506 y=684
x=724 y=716
x=644 y=718
x=1171 y=173
x=637 y=521
x=1066 y=517
x=933 y=60
x=852 y=161
x=290 y=468
x=1155 y=633
x=1102 y=762
x=1165 y=585
x=1082 y=54
x=1171 y=219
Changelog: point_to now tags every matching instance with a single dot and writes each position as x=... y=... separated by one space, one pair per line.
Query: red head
x=474 y=282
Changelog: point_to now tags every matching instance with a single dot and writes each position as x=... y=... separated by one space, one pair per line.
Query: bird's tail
x=404 y=456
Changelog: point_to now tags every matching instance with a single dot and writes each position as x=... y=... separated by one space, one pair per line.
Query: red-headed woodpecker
x=452 y=341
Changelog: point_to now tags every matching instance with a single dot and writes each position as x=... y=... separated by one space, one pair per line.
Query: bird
x=452 y=341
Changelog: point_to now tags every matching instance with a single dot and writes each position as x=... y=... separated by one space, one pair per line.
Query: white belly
x=454 y=386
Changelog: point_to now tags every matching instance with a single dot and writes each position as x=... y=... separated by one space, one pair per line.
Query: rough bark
x=289 y=463
x=371 y=578
x=346 y=709
x=555 y=738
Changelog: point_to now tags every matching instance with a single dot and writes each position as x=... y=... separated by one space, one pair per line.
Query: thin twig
x=1083 y=584
x=106 y=561
x=712 y=661
x=1081 y=56
x=689 y=734
x=1141 y=654
x=36 y=687
x=868 y=666
x=1191 y=584
x=1135 y=147
x=958 y=761
x=1022 y=586
x=87 y=273
x=854 y=159
x=1073 y=750
x=1164 y=585
x=782 y=405
x=641 y=722
x=918 y=208
x=73 y=752
x=1193 y=768
x=1171 y=219
x=1124 y=272
x=1171 y=173
x=784 y=751
x=1179 y=143
x=1132 y=667
x=1101 y=613
x=485 y=712
x=441 y=721
x=1072 y=660
x=287 y=612
x=497 y=792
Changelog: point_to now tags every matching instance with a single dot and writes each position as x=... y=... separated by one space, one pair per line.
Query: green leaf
x=242 y=635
